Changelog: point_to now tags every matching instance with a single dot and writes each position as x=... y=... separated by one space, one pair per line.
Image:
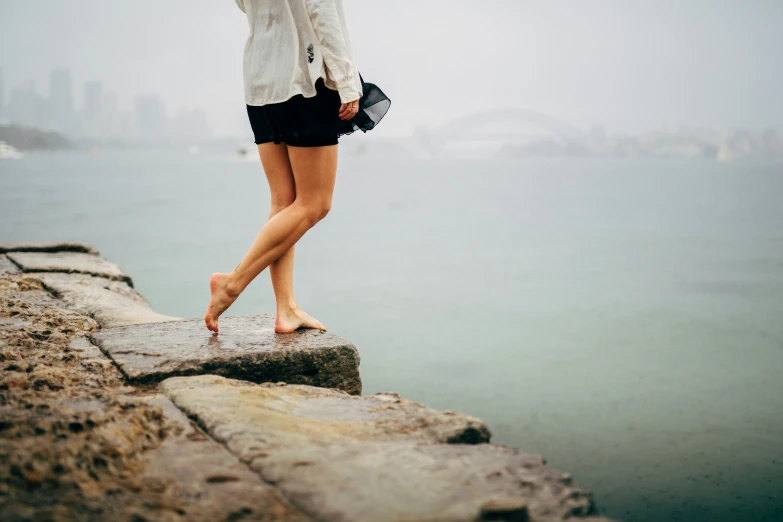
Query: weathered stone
x=82 y=447
x=247 y=347
x=206 y=480
x=295 y=414
x=77 y=444
x=7 y=267
x=70 y=263
x=69 y=446
x=90 y=356
x=110 y=303
x=47 y=246
x=379 y=458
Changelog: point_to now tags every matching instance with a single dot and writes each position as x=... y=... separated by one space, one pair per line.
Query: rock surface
x=47 y=246
x=69 y=262
x=69 y=445
x=379 y=458
x=84 y=281
x=7 y=267
x=206 y=481
x=246 y=348
x=110 y=303
x=77 y=444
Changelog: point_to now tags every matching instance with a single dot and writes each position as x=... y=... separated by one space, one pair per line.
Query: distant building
x=190 y=125
x=111 y=115
x=93 y=124
x=27 y=107
x=61 y=101
x=151 y=122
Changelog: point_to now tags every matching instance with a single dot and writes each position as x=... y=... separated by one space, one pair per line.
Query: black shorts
x=299 y=121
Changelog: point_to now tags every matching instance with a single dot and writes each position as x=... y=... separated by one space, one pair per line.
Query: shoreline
x=111 y=411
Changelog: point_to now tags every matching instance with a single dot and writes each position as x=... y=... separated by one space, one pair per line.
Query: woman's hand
x=349 y=110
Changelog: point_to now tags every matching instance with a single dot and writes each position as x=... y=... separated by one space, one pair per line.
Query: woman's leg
x=282 y=188
x=314 y=170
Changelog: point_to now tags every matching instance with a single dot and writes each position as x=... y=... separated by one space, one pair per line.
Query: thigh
x=277 y=167
x=315 y=170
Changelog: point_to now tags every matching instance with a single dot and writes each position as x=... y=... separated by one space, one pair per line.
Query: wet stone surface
x=338 y=457
x=246 y=348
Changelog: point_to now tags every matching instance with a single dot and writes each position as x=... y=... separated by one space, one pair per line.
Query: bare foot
x=221 y=299
x=290 y=319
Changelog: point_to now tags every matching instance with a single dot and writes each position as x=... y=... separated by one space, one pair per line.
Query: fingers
x=349 y=110
x=344 y=110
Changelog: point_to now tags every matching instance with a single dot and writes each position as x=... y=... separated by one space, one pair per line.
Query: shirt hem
x=294 y=92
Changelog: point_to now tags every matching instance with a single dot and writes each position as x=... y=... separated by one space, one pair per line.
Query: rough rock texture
x=69 y=262
x=293 y=415
x=77 y=444
x=379 y=458
x=66 y=439
x=110 y=303
x=246 y=348
x=47 y=246
x=208 y=482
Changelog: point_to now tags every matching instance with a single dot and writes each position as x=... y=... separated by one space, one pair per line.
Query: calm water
x=622 y=318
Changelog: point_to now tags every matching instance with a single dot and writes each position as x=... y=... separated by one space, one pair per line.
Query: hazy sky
x=625 y=64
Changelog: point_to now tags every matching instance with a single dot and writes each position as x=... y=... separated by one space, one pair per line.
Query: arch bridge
x=473 y=127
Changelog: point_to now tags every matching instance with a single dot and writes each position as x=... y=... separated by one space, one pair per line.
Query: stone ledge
x=206 y=481
x=274 y=452
x=7 y=267
x=380 y=458
x=246 y=348
x=110 y=303
x=47 y=246
x=69 y=263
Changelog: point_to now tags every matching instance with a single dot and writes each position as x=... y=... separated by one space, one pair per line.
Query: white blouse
x=291 y=44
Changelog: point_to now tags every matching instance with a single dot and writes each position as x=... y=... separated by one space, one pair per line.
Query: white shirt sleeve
x=326 y=24
x=241 y=4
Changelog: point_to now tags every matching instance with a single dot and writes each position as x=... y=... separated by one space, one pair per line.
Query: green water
x=623 y=318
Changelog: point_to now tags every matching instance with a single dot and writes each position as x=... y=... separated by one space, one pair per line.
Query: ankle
x=287 y=306
x=231 y=287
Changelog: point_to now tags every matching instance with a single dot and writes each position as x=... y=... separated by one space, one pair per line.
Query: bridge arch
x=462 y=126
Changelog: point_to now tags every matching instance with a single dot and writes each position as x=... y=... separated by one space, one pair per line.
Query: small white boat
x=9 y=152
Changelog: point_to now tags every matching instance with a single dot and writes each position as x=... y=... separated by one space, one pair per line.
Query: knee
x=317 y=210
x=324 y=208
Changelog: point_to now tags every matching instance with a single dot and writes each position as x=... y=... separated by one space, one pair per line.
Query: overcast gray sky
x=625 y=64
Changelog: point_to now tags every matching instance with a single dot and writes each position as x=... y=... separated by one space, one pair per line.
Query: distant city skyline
x=98 y=116
x=628 y=66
